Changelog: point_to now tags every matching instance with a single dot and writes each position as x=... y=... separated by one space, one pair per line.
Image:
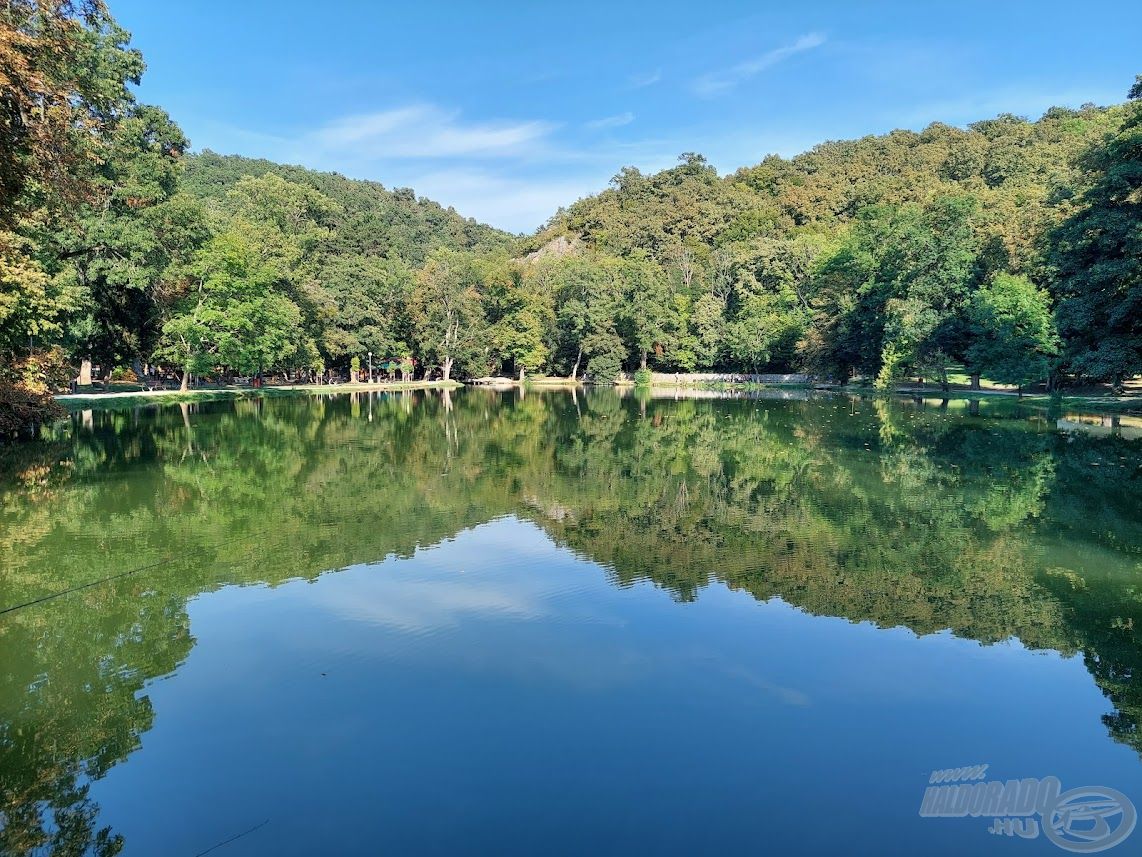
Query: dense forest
x=1010 y=248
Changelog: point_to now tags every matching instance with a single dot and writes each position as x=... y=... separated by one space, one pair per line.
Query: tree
x=1096 y=257
x=764 y=324
x=126 y=256
x=234 y=316
x=64 y=72
x=371 y=298
x=519 y=313
x=446 y=310
x=585 y=295
x=708 y=324
x=646 y=306
x=1013 y=334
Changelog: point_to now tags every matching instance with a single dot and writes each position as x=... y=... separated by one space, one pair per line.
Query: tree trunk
x=521 y=374
x=85 y=372
x=975 y=380
x=575 y=368
x=642 y=361
x=185 y=383
x=446 y=369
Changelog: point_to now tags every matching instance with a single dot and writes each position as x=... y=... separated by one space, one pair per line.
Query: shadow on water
x=924 y=514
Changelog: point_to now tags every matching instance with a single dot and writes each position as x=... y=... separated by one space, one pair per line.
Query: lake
x=565 y=623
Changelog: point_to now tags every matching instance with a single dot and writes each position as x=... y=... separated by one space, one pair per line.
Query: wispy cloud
x=427 y=131
x=638 y=81
x=715 y=82
x=616 y=121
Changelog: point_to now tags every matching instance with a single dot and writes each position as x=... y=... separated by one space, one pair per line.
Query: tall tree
x=125 y=254
x=446 y=311
x=519 y=312
x=1097 y=259
x=647 y=305
x=64 y=71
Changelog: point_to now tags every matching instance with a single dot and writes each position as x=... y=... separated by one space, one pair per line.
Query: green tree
x=65 y=69
x=446 y=311
x=234 y=316
x=519 y=312
x=646 y=306
x=1096 y=255
x=1013 y=333
x=126 y=257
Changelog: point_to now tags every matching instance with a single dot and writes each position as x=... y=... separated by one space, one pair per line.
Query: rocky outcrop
x=556 y=248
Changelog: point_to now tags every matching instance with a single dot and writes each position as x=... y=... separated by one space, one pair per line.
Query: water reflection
x=923 y=514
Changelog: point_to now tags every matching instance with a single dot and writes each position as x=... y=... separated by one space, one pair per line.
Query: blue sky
x=508 y=110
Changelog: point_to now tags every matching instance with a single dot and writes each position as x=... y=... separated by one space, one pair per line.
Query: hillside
x=887 y=254
x=373 y=219
x=1022 y=174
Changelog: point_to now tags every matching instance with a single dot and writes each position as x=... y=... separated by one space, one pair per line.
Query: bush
x=642 y=378
x=42 y=371
x=124 y=375
x=604 y=368
x=22 y=409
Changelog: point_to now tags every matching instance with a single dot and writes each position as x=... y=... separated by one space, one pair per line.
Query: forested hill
x=1021 y=174
x=370 y=218
x=904 y=252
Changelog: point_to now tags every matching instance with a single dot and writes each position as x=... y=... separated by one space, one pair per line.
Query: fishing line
x=157 y=564
x=232 y=838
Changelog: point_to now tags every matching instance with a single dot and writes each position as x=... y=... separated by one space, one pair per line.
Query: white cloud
x=427 y=131
x=715 y=82
x=616 y=121
x=638 y=81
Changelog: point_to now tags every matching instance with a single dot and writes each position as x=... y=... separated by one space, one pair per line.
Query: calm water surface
x=493 y=623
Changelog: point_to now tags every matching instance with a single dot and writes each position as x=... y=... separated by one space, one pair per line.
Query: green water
x=559 y=623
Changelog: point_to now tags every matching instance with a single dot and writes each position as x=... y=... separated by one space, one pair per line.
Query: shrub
x=22 y=409
x=642 y=378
